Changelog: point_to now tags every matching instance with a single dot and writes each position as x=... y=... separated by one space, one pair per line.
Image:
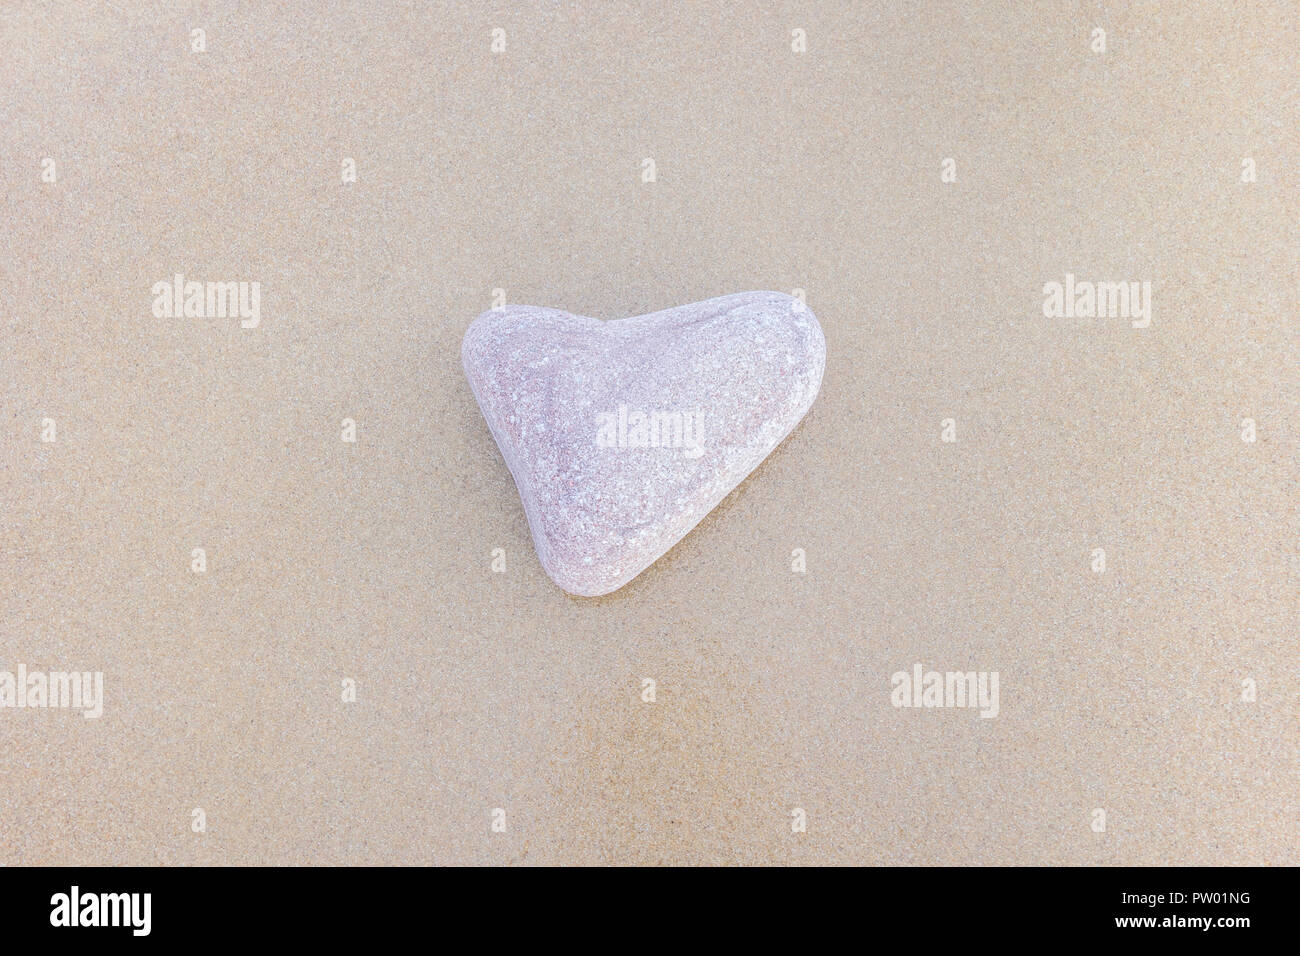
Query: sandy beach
x=306 y=655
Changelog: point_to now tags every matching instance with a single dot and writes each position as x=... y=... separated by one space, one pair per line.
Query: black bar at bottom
x=368 y=905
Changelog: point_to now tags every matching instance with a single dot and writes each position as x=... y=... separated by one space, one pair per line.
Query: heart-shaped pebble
x=622 y=435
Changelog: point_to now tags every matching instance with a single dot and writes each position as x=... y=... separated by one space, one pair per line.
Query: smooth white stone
x=561 y=393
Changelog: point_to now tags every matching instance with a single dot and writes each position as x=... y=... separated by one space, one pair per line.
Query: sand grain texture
x=523 y=171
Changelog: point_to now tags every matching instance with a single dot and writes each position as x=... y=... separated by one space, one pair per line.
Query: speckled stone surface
x=622 y=435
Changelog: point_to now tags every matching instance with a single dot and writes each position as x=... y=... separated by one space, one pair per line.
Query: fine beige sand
x=1126 y=690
